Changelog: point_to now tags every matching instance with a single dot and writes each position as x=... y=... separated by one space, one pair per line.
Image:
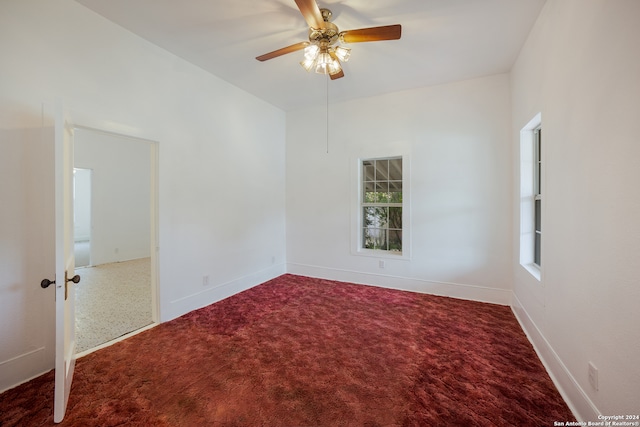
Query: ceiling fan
x=324 y=51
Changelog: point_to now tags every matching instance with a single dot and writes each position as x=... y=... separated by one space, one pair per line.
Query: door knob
x=46 y=282
x=74 y=279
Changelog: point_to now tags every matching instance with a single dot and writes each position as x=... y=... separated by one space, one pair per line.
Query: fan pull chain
x=327 y=113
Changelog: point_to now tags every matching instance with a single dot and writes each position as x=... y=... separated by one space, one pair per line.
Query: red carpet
x=297 y=351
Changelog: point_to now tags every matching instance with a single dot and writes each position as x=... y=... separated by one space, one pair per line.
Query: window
x=537 y=194
x=381 y=205
x=531 y=184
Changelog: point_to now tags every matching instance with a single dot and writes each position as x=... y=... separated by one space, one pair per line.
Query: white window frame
x=530 y=166
x=357 y=204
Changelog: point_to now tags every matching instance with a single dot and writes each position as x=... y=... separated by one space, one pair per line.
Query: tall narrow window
x=537 y=191
x=531 y=180
x=381 y=205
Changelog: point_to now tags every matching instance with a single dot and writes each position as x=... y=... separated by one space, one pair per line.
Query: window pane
x=369 y=192
x=538 y=205
x=395 y=169
x=384 y=197
x=374 y=238
x=538 y=161
x=536 y=252
x=375 y=217
x=368 y=240
x=382 y=170
x=368 y=171
x=395 y=191
x=395 y=240
x=382 y=188
x=395 y=218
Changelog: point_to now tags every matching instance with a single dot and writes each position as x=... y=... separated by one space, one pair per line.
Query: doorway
x=113 y=222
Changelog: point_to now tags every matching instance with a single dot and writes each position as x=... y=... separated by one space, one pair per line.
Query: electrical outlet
x=593 y=376
x=381 y=263
x=205 y=280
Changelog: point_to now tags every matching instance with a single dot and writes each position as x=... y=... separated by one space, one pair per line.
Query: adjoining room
x=112 y=226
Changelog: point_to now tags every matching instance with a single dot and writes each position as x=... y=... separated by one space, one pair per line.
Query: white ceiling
x=442 y=41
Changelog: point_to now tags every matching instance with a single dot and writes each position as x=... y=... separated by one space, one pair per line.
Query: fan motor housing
x=327 y=35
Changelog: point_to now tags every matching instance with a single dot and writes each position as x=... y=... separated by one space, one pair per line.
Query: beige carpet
x=112 y=300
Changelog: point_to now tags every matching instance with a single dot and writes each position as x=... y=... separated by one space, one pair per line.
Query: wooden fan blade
x=311 y=13
x=337 y=75
x=373 y=34
x=283 y=51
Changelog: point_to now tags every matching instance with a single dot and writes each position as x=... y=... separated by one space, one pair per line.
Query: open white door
x=65 y=268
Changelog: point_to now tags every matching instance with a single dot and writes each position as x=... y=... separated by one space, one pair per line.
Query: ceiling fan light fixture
x=311 y=51
x=343 y=53
x=334 y=68
x=323 y=62
x=308 y=63
x=322 y=68
x=324 y=58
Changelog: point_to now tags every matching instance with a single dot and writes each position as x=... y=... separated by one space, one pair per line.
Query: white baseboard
x=215 y=293
x=454 y=290
x=23 y=368
x=579 y=403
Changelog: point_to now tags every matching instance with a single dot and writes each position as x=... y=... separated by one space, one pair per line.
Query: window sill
x=381 y=254
x=534 y=270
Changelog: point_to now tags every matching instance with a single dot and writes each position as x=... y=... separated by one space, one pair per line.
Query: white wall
x=221 y=164
x=581 y=69
x=26 y=255
x=121 y=200
x=457 y=138
x=81 y=205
